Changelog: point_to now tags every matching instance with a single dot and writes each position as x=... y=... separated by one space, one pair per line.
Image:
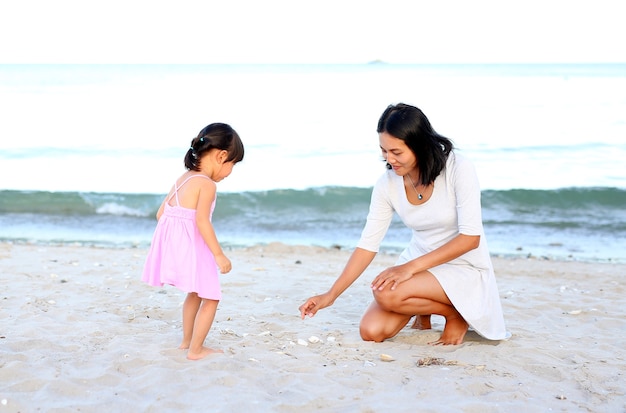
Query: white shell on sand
x=314 y=339
x=386 y=357
x=302 y=342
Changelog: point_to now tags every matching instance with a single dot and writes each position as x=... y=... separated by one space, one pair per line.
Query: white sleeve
x=379 y=217
x=467 y=191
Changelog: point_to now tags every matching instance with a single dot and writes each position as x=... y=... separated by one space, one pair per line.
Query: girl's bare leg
x=190 y=310
x=204 y=320
x=392 y=309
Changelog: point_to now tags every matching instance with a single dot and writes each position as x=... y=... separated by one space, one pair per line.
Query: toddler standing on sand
x=185 y=251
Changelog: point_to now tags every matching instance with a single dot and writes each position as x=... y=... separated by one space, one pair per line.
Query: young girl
x=185 y=252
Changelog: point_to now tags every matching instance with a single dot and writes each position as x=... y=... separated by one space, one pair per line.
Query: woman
x=446 y=268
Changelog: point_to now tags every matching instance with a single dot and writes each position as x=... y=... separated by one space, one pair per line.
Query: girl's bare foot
x=184 y=346
x=453 y=332
x=204 y=351
x=422 y=322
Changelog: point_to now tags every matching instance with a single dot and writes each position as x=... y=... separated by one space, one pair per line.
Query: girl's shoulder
x=187 y=179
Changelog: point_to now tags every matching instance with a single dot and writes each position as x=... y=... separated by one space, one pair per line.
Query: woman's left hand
x=392 y=277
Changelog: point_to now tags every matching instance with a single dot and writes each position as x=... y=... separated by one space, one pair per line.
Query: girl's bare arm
x=206 y=195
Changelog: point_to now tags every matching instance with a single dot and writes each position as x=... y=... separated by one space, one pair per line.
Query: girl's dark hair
x=215 y=136
x=409 y=123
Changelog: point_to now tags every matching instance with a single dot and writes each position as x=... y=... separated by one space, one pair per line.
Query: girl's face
x=223 y=171
x=213 y=164
x=397 y=154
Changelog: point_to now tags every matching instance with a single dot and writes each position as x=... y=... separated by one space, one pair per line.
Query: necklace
x=419 y=195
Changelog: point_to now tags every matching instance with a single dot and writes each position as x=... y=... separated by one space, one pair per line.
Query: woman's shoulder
x=387 y=186
x=459 y=161
x=387 y=178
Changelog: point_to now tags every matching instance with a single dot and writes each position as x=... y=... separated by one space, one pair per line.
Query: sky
x=316 y=32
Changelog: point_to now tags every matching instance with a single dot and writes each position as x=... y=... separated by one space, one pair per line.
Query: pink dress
x=179 y=256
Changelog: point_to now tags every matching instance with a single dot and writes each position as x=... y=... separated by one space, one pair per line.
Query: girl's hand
x=392 y=277
x=314 y=304
x=223 y=263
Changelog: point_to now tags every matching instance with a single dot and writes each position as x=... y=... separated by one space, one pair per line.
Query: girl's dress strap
x=177 y=187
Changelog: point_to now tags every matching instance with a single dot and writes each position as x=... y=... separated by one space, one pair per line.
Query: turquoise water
x=578 y=223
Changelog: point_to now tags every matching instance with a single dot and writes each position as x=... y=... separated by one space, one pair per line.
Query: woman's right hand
x=314 y=304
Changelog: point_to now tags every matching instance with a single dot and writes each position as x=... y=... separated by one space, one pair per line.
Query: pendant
x=419 y=196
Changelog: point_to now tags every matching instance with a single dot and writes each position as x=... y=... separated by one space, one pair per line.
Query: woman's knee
x=386 y=300
x=370 y=333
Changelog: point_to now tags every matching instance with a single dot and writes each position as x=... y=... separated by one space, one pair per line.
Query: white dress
x=454 y=207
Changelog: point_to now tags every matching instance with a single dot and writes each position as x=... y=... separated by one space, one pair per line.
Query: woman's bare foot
x=204 y=351
x=453 y=332
x=183 y=346
x=422 y=322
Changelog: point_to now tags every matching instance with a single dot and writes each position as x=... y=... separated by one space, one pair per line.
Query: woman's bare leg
x=404 y=301
x=378 y=325
x=204 y=320
x=422 y=322
x=190 y=310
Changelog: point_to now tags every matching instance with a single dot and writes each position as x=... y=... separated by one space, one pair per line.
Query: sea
x=88 y=152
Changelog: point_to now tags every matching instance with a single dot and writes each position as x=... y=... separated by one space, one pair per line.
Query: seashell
x=386 y=357
x=575 y=312
x=429 y=361
x=302 y=342
x=314 y=339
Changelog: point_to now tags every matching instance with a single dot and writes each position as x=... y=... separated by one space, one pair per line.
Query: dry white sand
x=79 y=331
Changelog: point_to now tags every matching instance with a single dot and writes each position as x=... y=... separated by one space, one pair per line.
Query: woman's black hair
x=215 y=136
x=409 y=123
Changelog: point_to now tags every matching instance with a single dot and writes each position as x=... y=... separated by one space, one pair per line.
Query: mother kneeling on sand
x=446 y=268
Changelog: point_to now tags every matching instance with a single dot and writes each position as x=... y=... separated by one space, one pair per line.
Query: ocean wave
x=324 y=201
x=564 y=222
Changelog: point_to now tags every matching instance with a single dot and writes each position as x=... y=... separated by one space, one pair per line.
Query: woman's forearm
x=456 y=247
x=358 y=262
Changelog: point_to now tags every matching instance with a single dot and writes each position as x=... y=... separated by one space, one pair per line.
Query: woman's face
x=397 y=154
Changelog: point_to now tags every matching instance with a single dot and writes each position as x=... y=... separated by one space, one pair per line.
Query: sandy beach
x=80 y=332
